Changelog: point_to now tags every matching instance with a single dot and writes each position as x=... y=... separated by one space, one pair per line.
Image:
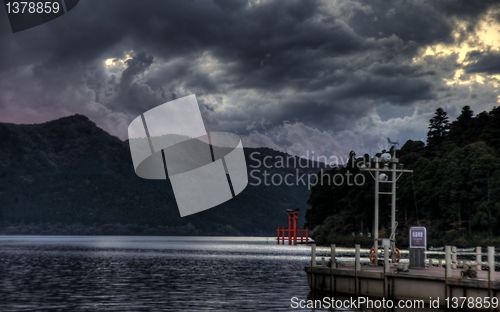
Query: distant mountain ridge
x=68 y=176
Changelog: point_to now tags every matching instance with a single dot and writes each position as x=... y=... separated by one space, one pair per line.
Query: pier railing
x=468 y=261
x=468 y=272
x=473 y=258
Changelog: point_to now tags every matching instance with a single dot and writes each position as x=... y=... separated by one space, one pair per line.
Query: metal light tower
x=389 y=173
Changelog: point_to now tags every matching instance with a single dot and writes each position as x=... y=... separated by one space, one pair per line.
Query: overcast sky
x=299 y=76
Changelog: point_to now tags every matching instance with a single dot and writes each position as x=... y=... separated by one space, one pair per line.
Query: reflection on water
x=110 y=273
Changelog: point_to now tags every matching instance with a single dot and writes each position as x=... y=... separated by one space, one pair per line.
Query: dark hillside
x=69 y=176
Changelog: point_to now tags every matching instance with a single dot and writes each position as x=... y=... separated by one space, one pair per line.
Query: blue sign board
x=418 y=237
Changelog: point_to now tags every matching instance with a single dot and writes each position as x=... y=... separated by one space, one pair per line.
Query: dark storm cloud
x=132 y=95
x=414 y=21
x=135 y=66
x=253 y=64
x=484 y=63
x=421 y=22
x=395 y=90
x=463 y=8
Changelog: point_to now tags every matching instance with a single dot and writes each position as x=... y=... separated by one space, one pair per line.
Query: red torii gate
x=292 y=234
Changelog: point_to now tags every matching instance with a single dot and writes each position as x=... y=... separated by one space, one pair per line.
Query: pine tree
x=466 y=115
x=461 y=130
x=439 y=127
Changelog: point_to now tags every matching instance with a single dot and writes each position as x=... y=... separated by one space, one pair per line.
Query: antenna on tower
x=393 y=143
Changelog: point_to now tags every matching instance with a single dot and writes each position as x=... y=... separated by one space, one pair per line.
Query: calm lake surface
x=149 y=273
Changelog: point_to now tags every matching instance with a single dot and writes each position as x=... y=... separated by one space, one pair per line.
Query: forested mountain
x=454 y=190
x=69 y=176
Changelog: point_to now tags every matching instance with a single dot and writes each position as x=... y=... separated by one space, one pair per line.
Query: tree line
x=454 y=190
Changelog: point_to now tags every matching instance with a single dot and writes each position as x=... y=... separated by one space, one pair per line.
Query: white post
x=375 y=217
x=386 y=269
x=491 y=263
x=332 y=256
x=393 y=205
x=313 y=255
x=357 y=263
x=386 y=258
x=447 y=259
x=478 y=258
x=454 y=257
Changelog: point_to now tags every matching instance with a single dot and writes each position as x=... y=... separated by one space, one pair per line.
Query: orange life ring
x=397 y=254
x=373 y=255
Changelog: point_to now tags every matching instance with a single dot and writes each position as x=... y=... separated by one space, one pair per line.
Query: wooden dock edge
x=395 y=285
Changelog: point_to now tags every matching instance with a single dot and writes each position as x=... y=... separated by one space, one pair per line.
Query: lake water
x=144 y=273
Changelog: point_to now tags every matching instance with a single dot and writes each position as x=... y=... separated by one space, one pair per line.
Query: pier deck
x=415 y=284
x=387 y=281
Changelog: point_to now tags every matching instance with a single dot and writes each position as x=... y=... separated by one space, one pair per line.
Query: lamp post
x=389 y=173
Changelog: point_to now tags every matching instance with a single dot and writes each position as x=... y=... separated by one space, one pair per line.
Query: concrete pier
x=395 y=281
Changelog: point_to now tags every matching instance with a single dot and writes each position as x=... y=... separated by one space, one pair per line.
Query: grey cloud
x=390 y=89
x=463 y=8
x=135 y=66
x=422 y=22
x=484 y=63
